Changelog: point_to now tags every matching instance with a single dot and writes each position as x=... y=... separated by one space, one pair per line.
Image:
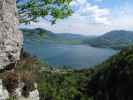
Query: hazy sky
x=93 y=17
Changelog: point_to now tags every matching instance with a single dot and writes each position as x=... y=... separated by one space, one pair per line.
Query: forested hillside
x=113 y=79
x=113 y=39
x=49 y=37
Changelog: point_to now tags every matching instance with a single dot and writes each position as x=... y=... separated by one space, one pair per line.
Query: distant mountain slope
x=50 y=37
x=113 y=39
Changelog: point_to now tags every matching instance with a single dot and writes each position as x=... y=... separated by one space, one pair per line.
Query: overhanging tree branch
x=32 y=9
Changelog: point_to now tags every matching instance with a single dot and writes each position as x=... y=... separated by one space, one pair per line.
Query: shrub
x=11 y=81
x=28 y=78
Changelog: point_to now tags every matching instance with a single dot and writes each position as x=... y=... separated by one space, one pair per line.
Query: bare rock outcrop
x=10 y=37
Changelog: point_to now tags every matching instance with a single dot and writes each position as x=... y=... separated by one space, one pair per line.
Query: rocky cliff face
x=10 y=37
x=11 y=41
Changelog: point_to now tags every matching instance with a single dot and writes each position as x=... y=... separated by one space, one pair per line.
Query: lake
x=75 y=56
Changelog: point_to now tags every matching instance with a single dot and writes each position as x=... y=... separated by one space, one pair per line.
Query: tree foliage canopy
x=30 y=10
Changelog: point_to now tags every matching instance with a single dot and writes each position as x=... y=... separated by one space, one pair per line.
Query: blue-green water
x=76 y=56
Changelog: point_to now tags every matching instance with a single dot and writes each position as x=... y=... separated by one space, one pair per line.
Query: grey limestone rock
x=11 y=38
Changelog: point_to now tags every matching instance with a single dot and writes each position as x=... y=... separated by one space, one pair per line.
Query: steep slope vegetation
x=113 y=80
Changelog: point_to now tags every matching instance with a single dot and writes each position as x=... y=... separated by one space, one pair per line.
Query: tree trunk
x=10 y=37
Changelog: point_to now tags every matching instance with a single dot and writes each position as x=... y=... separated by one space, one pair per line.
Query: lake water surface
x=76 y=56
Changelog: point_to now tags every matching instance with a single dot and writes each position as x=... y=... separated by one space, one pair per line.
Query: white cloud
x=98 y=15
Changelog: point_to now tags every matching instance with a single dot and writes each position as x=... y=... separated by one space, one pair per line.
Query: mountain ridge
x=50 y=37
x=114 y=39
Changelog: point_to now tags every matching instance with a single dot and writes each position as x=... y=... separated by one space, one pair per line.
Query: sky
x=92 y=17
